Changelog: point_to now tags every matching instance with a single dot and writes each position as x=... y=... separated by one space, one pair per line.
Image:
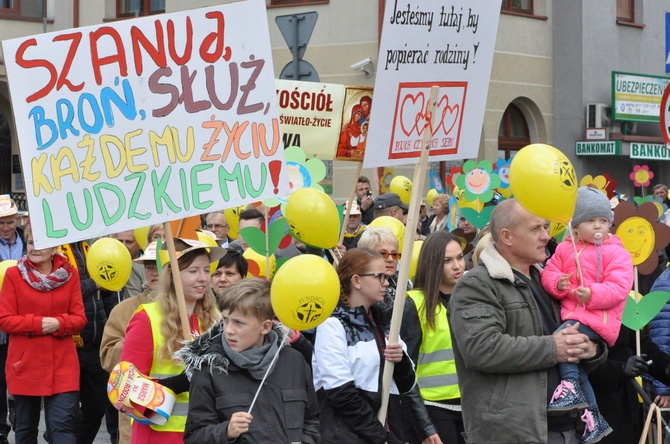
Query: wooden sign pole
x=176 y=278
x=408 y=245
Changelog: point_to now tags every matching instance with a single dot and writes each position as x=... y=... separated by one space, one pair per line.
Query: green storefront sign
x=598 y=148
x=653 y=151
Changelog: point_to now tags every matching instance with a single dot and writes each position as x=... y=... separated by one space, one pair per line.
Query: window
x=522 y=6
x=625 y=10
x=297 y=2
x=513 y=133
x=138 y=8
x=30 y=9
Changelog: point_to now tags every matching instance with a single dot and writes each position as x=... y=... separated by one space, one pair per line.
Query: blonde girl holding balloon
x=154 y=332
x=349 y=355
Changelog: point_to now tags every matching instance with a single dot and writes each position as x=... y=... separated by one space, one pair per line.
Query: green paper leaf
x=479 y=220
x=635 y=316
x=280 y=261
x=277 y=232
x=639 y=200
x=255 y=237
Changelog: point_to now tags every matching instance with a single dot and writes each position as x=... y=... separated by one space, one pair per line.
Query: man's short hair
x=363 y=179
x=251 y=214
x=231 y=258
x=251 y=297
x=658 y=186
x=504 y=215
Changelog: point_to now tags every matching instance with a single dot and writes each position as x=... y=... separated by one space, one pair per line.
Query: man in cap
x=389 y=204
x=12 y=245
x=354 y=227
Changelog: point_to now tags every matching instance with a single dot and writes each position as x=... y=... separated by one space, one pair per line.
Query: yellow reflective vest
x=436 y=368
x=161 y=369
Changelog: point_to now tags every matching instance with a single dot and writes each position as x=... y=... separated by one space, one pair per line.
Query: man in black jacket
x=98 y=303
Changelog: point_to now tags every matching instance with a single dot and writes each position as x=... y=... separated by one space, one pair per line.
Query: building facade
x=550 y=61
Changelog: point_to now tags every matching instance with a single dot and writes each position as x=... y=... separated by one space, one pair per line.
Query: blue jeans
x=575 y=371
x=59 y=415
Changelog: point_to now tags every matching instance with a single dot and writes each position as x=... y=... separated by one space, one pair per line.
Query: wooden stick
x=176 y=278
x=267 y=243
x=408 y=245
x=348 y=207
x=638 y=348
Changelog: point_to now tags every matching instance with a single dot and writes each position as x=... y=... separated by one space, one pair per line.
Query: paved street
x=101 y=438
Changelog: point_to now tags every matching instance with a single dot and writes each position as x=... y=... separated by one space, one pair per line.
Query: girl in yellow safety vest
x=154 y=332
x=425 y=329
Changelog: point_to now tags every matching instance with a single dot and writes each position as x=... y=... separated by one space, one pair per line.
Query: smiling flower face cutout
x=478 y=181
x=638 y=238
x=641 y=233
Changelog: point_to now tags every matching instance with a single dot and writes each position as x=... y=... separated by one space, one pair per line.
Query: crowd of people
x=505 y=338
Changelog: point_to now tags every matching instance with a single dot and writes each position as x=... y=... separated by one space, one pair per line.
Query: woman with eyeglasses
x=384 y=242
x=349 y=355
x=426 y=329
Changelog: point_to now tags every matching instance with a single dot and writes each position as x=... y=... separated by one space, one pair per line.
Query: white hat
x=184 y=246
x=149 y=254
x=7 y=206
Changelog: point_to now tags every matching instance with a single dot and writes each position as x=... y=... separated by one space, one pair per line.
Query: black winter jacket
x=286 y=409
x=97 y=303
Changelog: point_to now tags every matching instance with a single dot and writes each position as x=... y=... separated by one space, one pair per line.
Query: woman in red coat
x=40 y=309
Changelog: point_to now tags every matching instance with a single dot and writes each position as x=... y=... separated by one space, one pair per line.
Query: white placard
x=425 y=43
x=143 y=121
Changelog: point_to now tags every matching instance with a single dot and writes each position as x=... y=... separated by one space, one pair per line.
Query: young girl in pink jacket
x=595 y=299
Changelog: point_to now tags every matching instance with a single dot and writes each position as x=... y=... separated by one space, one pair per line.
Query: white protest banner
x=143 y=121
x=429 y=43
x=310 y=114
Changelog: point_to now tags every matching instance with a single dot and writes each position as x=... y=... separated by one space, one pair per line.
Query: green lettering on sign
x=652 y=151
x=598 y=148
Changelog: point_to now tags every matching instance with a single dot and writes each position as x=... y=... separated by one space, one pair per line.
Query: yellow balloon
x=141 y=236
x=430 y=196
x=556 y=228
x=233 y=220
x=257 y=264
x=313 y=217
x=402 y=186
x=109 y=263
x=415 y=259
x=305 y=302
x=544 y=182
x=4 y=265
x=393 y=224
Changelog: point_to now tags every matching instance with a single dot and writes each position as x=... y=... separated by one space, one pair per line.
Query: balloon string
x=574 y=247
x=267 y=372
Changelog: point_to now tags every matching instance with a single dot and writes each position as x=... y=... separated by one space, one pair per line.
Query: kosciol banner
x=143 y=121
x=431 y=43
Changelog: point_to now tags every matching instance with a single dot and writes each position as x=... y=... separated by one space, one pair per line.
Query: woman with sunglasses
x=426 y=328
x=384 y=242
x=349 y=355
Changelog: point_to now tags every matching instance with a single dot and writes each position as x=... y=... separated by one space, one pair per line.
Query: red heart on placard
x=411 y=111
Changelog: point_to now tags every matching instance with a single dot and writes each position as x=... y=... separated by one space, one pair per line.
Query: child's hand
x=238 y=424
x=584 y=294
x=393 y=352
x=564 y=282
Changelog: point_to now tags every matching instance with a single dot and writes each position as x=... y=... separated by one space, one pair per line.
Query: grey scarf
x=255 y=360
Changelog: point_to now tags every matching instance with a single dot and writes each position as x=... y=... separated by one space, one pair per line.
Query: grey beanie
x=591 y=203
